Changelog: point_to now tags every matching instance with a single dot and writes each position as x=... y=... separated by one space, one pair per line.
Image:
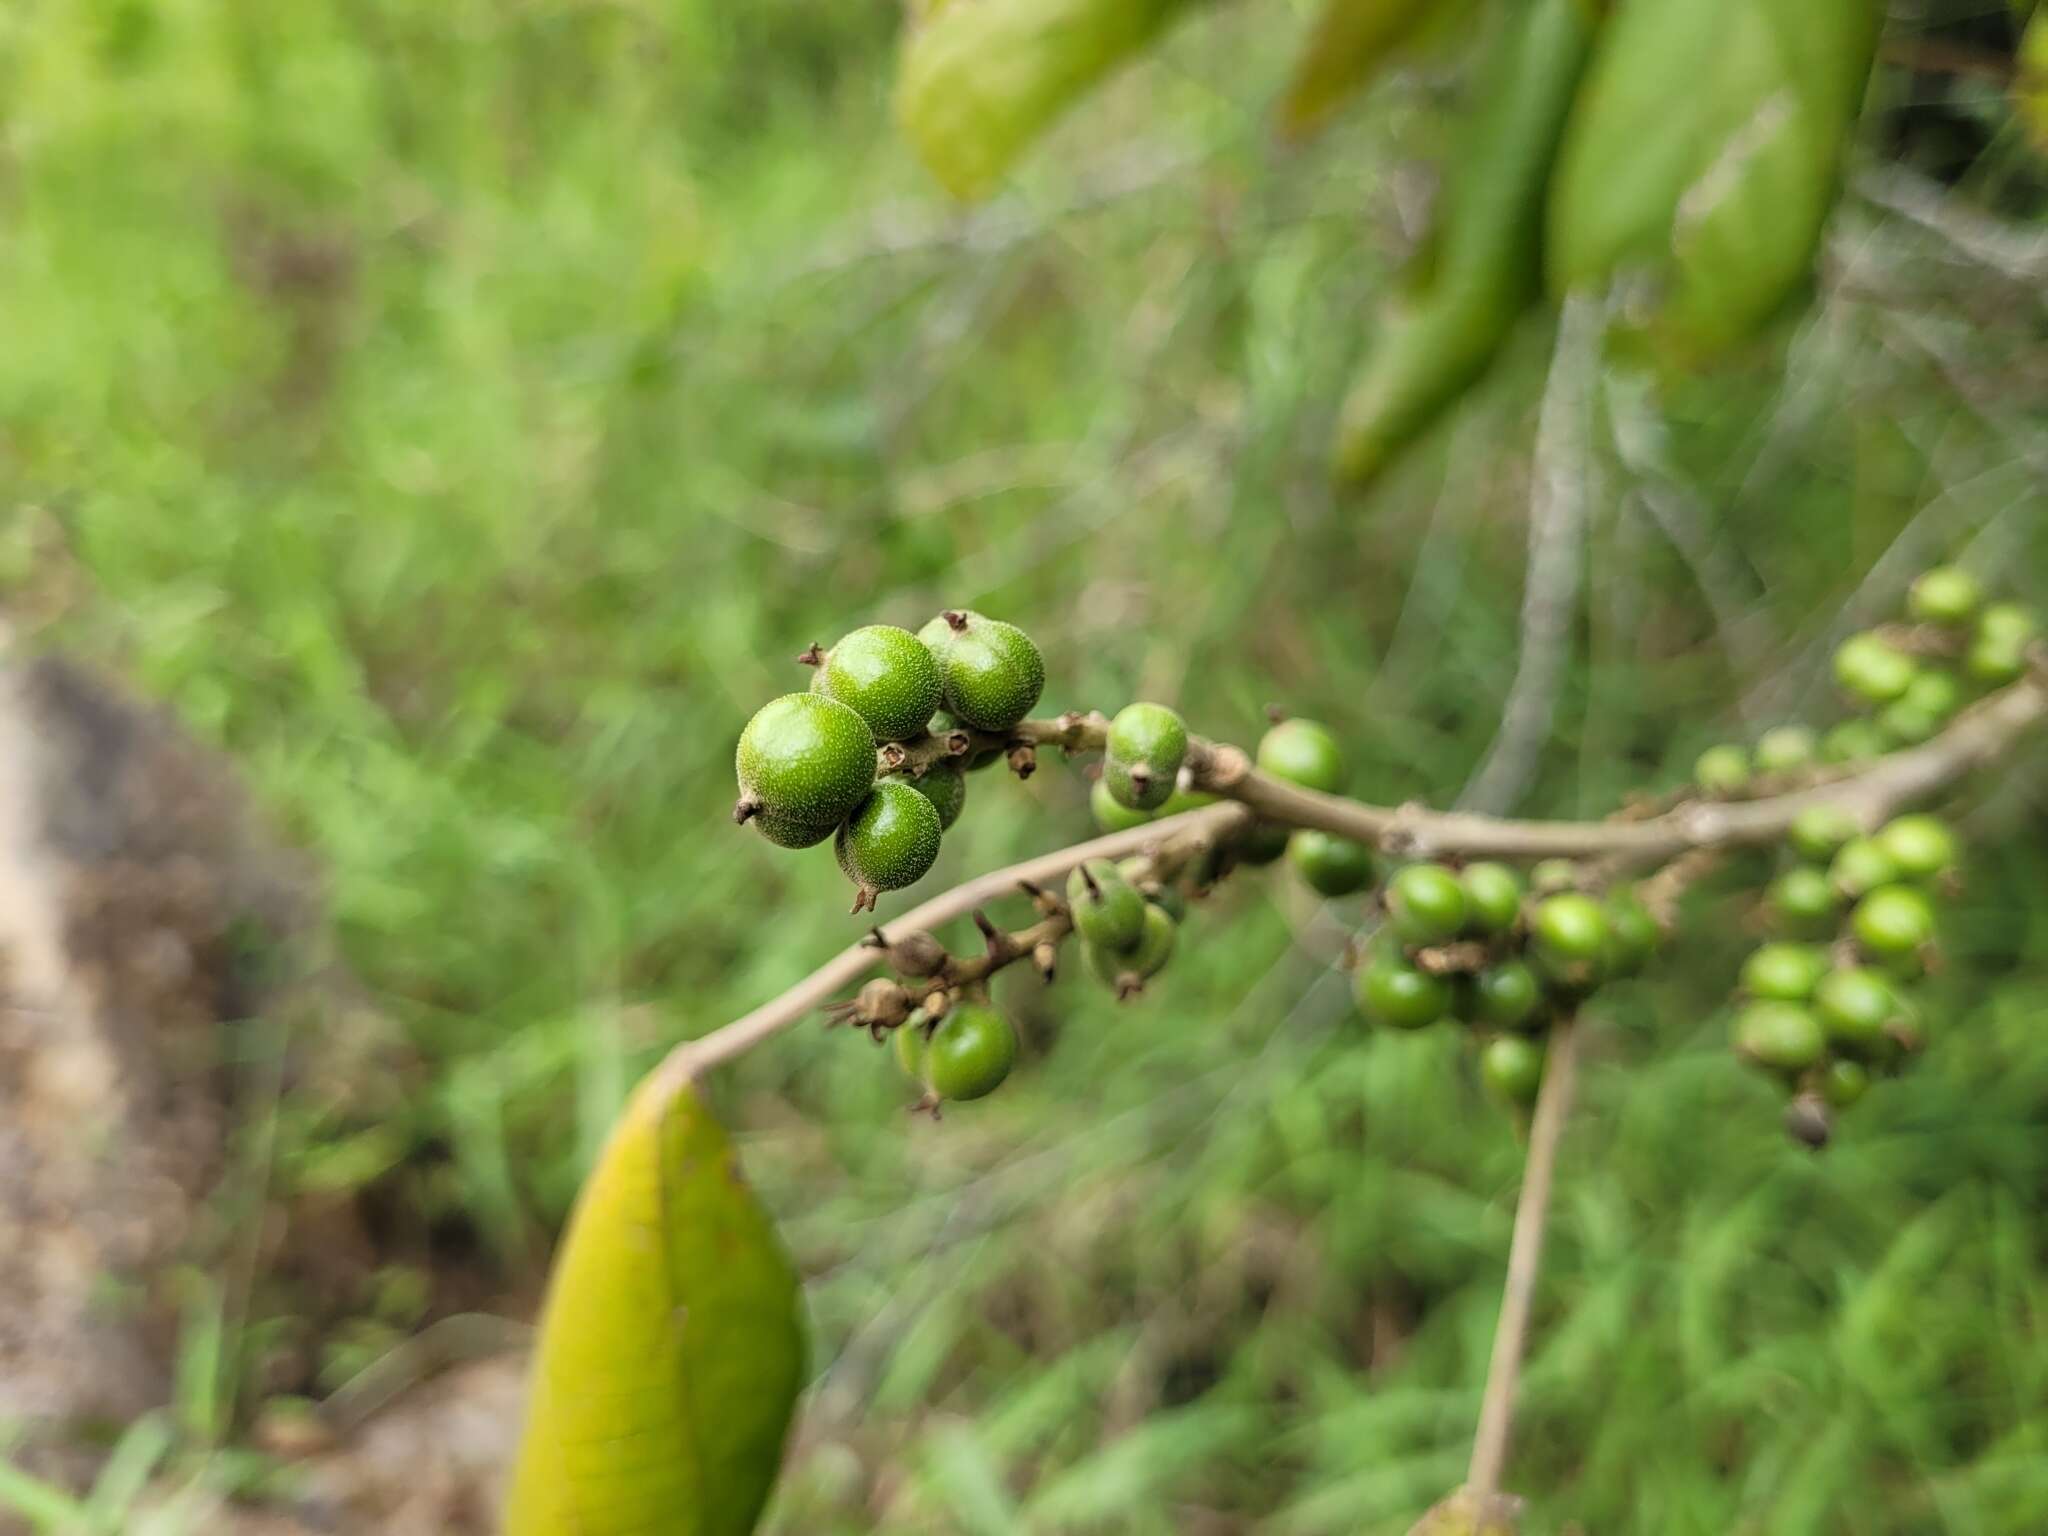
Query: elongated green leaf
x=1352 y=40
x=671 y=1346
x=980 y=79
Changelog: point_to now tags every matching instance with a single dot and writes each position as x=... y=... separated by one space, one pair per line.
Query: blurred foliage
x=464 y=411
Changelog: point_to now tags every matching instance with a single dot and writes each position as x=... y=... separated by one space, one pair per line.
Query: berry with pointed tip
x=1108 y=911
x=1332 y=865
x=1145 y=747
x=1507 y=995
x=1780 y=1037
x=1511 y=1066
x=1305 y=753
x=1853 y=741
x=1844 y=1083
x=1129 y=970
x=1804 y=902
x=1635 y=933
x=1921 y=846
x=1392 y=990
x=1550 y=875
x=1785 y=973
x=1569 y=939
x=1111 y=814
x=1947 y=594
x=970 y=1053
x=1893 y=921
x=1861 y=866
x=804 y=759
x=887 y=676
x=944 y=783
x=890 y=841
x=1818 y=832
x=1785 y=748
x=1856 y=1006
x=1493 y=898
x=1872 y=669
x=1722 y=770
x=1425 y=905
x=991 y=671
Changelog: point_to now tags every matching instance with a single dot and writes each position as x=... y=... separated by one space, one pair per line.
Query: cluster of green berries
x=1827 y=1001
x=807 y=762
x=1507 y=959
x=1905 y=684
x=1125 y=920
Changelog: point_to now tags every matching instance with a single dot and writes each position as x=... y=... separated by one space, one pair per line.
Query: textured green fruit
x=1107 y=909
x=1511 y=1066
x=1855 y=1006
x=1818 y=832
x=1493 y=898
x=1110 y=814
x=1390 y=990
x=970 y=1053
x=1872 y=669
x=1921 y=846
x=1854 y=741
x=1893 y=920
x=1145 y=748
x=1634 y=934
x=1507 y=995
x=785 y=833
x=1785 y=748
x=945 y=785
x=1844 y=1083
x=1128 y=971
x=1786 y=973
x=992 y=672
x=1804 y=902
x=805 y=759
x=887 y=676
x=1305 y=753
x=891 y=840
x=1334 y=866
x=1948 y=594
x=1862 y=865
x=1722 y=770
x=1425 y=905
x=1568 y=940
x=1780 y=1037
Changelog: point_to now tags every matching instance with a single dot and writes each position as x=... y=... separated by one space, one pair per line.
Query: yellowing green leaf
x=2030 y=88
x=980 y=79
x=671 y=1345
x=1351 y=41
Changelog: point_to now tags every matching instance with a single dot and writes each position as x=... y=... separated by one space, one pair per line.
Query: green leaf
x=671 y=1347
x=980 y=79
x=2030 y=88
x=1352 y=40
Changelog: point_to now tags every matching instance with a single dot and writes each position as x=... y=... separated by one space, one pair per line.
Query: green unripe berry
x=1906 y=724
x=1818 y=832
x=2008 y=624
x=1511 y=1066
x=1934 y=692
x=970 y=1053
x=1146 y=746
x=1844 y=1083
x=1128 y=971
x=1393 y=991
x=991 y=671
x=1804 y=902
x=806 y=759
x=1994 y=663
x=1305 y=753
x=1893 y=921
x=1784 y=748
x=1332 y=865
x=1855 y=1006
x=945 y=785
x=890 y=841
x=1425 y=905
x=1550 y=875
x=1111 y=814
x=887 y=676
x=1786 y=973
x=1921 y=846
x=1722 y=770
x=1853 y=741
x=1635 y=934
x=1779 y=1037
x=1947 y=594
x=785 y=833
x=1493 y=898
x=1259 y=844
x=1872 y=669
x=1862 y=865
x=1568 y=940
x=910 y=1046
x=1107 y=909
x=1507 y=995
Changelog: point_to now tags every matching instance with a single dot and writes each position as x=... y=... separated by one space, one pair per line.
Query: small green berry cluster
x=1473 y=944
x=1827 y=1001
x=1126 y=921
x=807 y=762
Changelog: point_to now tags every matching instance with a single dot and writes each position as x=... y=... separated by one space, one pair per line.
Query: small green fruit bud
x=1569 y=936
x=1862 y=866
x=1844 y=1083
x=1804 y=902
x=1128 y=971
x=1507 y=995
x=1785 y=749
x=1785 y=973
x=1872 y=669
x=1511 y=1066
x=991 y=671
x=1853 y=741
x=1493 y=899
x=1921 y=846
x=1779 y=1037
x=1107 y=911
x=1305 y=753
x=1856 y=1006
x=1550 y=875
x=970 y=1053
x=1893 y=920
x=1948 y=594
x=1722 y=770
x=1333 y=866
x=1392 y=991
x=1425 y=905
x=1635 y=934
x=1146 y=746
x=1818 y=832
x=890 y=841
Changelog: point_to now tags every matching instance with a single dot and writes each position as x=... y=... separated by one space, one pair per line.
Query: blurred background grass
x=463 y=412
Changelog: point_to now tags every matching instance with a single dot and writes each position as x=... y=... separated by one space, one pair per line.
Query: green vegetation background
x=464 y=412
